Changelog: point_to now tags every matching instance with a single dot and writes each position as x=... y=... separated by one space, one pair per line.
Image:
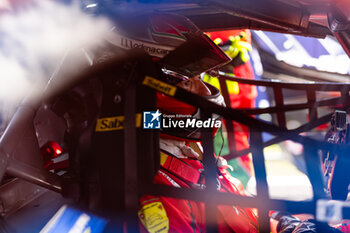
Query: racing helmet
x=183 y=52
x=163 y=36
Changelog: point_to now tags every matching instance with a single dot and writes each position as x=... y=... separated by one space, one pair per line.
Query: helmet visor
x=197 y=55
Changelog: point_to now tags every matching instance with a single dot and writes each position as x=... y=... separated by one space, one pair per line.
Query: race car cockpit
x=86 y=135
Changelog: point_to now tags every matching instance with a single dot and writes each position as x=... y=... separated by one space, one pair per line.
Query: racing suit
x=164 y=214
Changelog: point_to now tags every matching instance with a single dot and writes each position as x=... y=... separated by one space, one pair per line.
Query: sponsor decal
x=152 y=49
x=159 y=85
x=114 y=123
x=154 y=218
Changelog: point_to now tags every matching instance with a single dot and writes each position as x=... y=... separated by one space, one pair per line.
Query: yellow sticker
x=163 y=158
x=159 y=85
x=154 y=218
x=114 y=123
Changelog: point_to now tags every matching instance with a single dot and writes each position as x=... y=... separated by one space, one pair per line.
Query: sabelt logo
x=159 y=85
x=114 y=123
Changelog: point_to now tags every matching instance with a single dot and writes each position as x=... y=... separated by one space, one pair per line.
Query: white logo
x=155 y=120
x=151 y=120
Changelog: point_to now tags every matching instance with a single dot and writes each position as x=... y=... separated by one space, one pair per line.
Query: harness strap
x=179 y=168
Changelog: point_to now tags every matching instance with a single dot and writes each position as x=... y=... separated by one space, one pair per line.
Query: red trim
x=181 y=169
